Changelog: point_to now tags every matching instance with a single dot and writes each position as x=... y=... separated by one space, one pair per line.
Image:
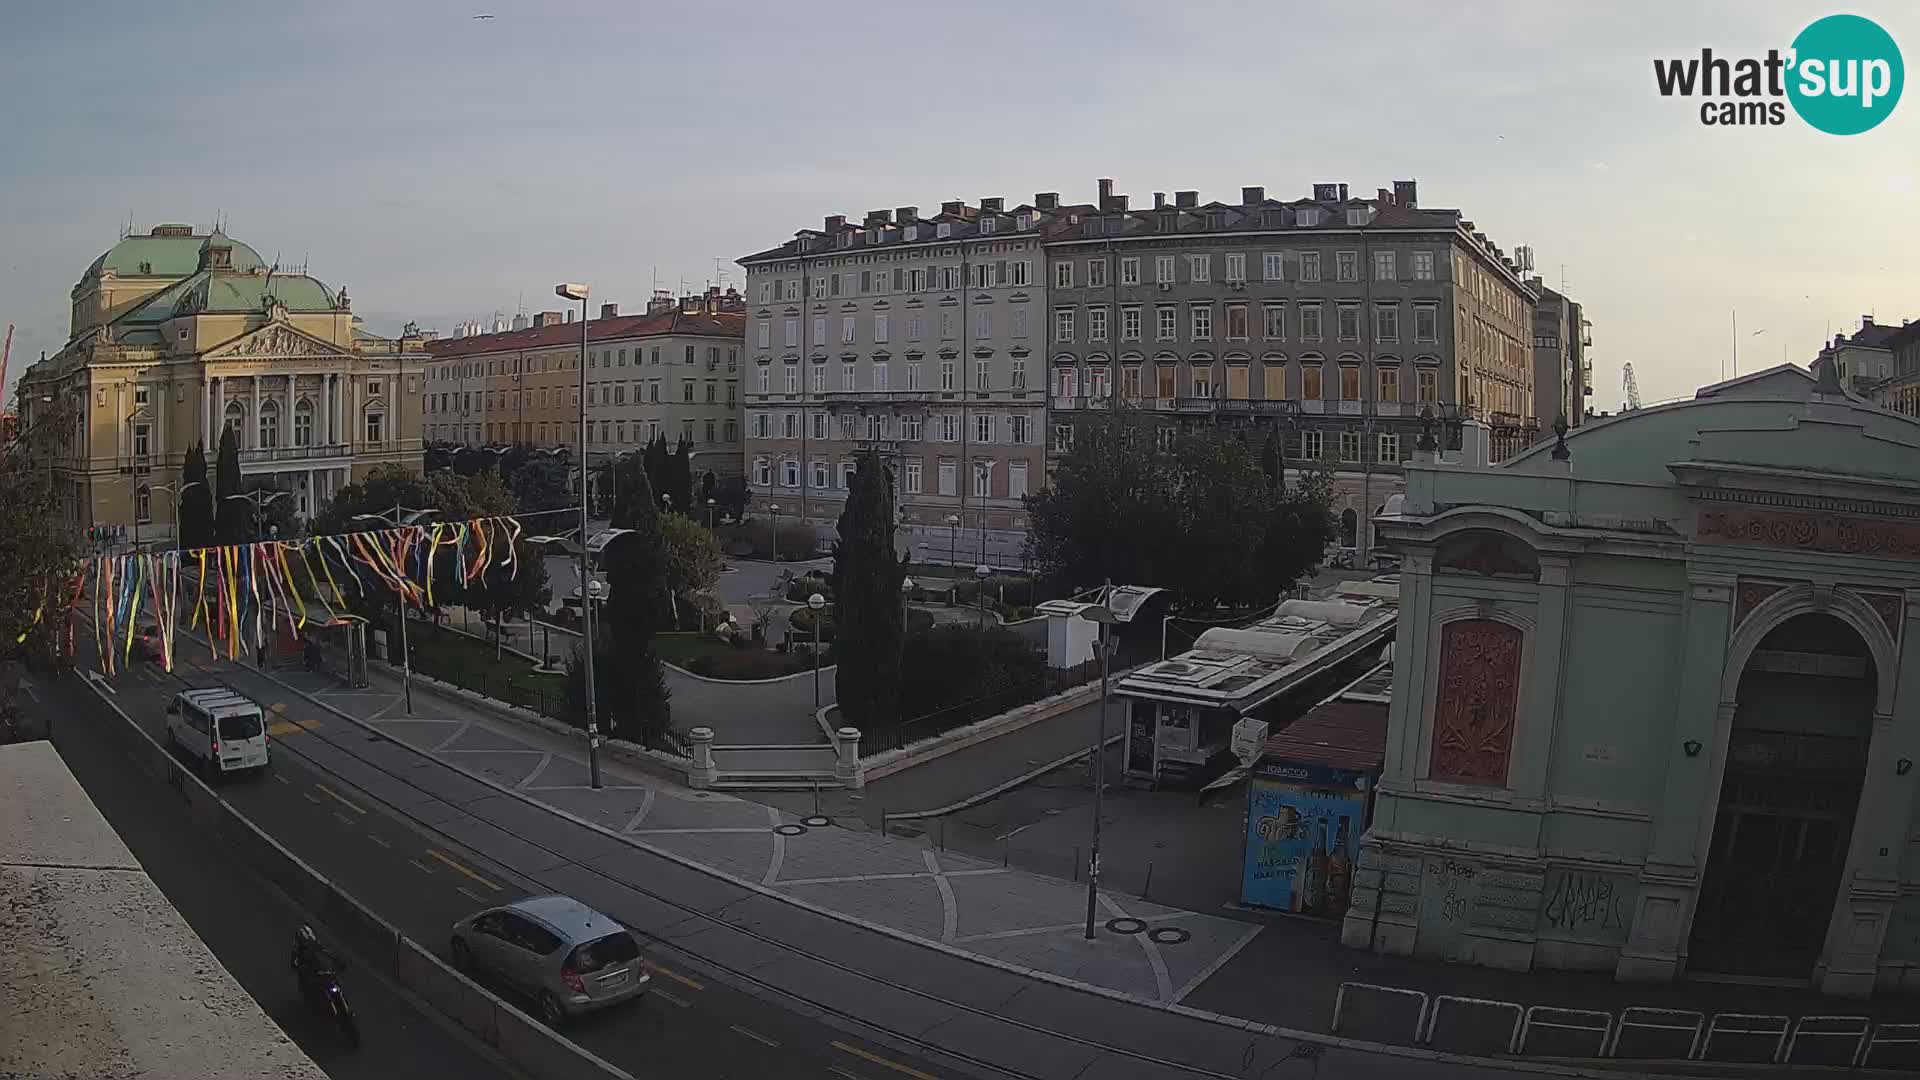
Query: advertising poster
x=1303 y=833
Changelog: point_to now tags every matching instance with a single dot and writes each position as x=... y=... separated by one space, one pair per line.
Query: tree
x=1299 y=526
x=506 y=591
x=733 y=496
x=709 y=489
x=1223 y=501
x=39 y=550
x=540 y=485
x=692 y=561
x=656 y=462
x=866 y=589
x=195 y=528
x=1273 y=460
x=1106 y=515
x=632 y=492
x=946 y=665
x=232 y=518
x=632 y=689
x=268 y=520
x=680 y=477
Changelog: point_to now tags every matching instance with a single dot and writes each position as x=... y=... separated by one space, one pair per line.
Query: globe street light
x=953 y=539
x=980 y=572
x=817 y=604
x=774 y=509
x=711 y=504
x=568 y=290
x=906 y=592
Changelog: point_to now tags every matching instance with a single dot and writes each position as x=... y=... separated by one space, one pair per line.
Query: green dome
x=170 y=251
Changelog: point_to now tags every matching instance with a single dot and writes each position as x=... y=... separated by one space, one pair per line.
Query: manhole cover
x=789 y=830
x=1126 y=926
x=816 y=821
x=1169 y=935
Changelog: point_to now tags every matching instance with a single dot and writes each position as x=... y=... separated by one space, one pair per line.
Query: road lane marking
x=459 y=869
x=344 y=819
x=311 y=797
x=422 y=867
x=868 y=1055
x=339 y=798
x=377 y=840
x=470 y=894
x=674 y=975
x=282 y=779
x=280 y=729
x=669 y=998
x=754 y=1035
x=844 y=1074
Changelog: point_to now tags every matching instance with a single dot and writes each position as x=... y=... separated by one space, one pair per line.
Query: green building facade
x=1647 y=713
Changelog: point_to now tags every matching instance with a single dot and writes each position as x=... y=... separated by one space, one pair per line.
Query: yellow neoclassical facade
x=177 y=335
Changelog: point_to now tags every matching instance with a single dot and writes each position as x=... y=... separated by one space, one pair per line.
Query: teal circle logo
x=1846 y=75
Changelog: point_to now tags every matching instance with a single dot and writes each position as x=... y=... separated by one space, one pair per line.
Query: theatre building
x=1647 y=713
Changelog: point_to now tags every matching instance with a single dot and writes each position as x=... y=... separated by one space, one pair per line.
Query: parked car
x=561 y=954
x=146 y=643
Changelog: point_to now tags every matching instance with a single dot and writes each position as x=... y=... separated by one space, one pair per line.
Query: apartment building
x=1898 y=388
x=920 y=338
x=1562 y=370
x=1343 y=321
x=674 y=371
x=177 y=336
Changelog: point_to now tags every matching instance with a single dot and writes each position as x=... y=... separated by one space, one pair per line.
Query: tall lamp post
x=260 y=498
x=579 y=291
x=980 y=576
x=817 y=604
x=906 y=593
x=179 y=492
x=400 y=517
x=774 y=509
x=1102 y=614
x=953 y=540
x=712 y=507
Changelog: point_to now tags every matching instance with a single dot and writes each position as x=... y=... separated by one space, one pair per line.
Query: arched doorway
x=1349 y=527
x=1795 y=763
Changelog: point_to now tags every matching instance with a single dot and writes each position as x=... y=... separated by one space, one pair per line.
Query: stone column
x=1670 y=877
x=120 y=448
x=210 y=407
x=1540 y=729
x=253 y=418
x=1411 y=647
x=701 y=774
x=846 y=765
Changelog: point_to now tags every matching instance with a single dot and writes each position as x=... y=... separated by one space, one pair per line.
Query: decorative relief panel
x=1889 y=607
x=1750 y=595
x=1489 y=554
x=1833 y=534
x=1477 y=701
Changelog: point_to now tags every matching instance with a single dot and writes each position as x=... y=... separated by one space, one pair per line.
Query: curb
x=644 y=757
x=1219 y=1019
x=807 y=674
x=999 y=789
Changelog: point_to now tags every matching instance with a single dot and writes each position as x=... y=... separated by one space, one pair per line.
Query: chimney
x=1406 y=194
x=1106 y=193
x=836 y=222
x=608 y=311
x=1186 y=200
x=1866 y=321
x=1382 y=197
x=1159 y=200
x=1250 y=196
x=907 y=215
x=991 y=205
x=953 y=208
x=1343 y=193
x=662 y=302
x=547 y=318
x=1047 y=200
x=879 y=217
x=569 y=314
x=1120 y=204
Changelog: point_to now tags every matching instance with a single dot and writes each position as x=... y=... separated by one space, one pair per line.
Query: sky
x=444 y=167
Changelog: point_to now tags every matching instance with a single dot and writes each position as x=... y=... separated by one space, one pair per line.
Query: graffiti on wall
x=1586 y=904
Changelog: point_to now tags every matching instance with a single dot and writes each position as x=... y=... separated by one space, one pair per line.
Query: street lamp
x=774 y=509
x=711 y=505
x=953 y=540
x=906 y=592
x=397 y=518
x=1102 y=614
x=817 y=604
x=179 y=492
x=666 y=503
x=579 y=291
x=259 y=497
x=980 y=573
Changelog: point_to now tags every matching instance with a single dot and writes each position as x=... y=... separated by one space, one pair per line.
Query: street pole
x=775 y=510
x=586 y=600
x=1099 y=766
x=406 y=650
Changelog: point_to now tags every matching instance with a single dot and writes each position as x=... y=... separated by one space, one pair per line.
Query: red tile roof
x=733 y=325
x=1337 y=735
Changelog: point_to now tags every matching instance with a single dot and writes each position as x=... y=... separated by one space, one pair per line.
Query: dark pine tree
x=869 y=622
x=657 y=462
x=680 y=478
x=628 y=678
x=231 y=517
x=196 y=501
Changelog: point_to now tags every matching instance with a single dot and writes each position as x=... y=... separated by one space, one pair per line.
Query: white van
x=225 y=731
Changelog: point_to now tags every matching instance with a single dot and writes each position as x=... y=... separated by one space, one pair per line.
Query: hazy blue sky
x=442 y=167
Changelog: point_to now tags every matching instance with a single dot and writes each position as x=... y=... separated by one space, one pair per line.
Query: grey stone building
x=1562 y=370
x=1340 y=320
x=922 y=338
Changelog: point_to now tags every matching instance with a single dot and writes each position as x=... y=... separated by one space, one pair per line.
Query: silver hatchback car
x=567 y=957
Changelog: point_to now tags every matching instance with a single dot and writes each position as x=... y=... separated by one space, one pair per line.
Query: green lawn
x=468 y=663
x=708 y=656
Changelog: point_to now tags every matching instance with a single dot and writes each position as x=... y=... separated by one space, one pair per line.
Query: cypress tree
x=869 y=625
x=195 y=527
x=230 y=516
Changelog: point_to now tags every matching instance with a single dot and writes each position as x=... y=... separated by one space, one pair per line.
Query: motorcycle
x=323 y=993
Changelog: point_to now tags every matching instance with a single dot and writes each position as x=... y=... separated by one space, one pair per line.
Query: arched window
x=1349 y=527
x=303 y=423
x=236 y=418
x=269 y=424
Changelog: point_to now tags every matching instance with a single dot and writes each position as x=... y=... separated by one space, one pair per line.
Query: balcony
x=265 y=454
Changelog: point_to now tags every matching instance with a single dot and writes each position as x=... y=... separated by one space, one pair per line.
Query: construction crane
x=1631 y=387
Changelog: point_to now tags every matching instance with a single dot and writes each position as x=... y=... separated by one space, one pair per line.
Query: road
x=245 y=922
x=865 y=1004
x=692 y=1026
